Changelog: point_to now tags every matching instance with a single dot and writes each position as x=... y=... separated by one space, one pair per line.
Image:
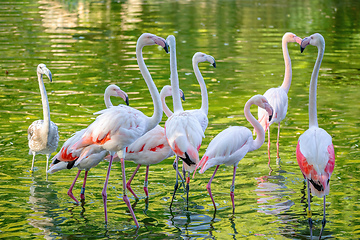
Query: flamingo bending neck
x=260 y=133
x=45 y=104
x=199 y=77
x=288 y=73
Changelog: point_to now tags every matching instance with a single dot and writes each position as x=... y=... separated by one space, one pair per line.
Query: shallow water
x=90 y=44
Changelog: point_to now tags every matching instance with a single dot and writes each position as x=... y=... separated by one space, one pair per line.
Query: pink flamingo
x=232 y=144
x=119 y=126
x=43 y=135
x=83 y=158
x=182 y=129
x=152 y=147
x=315 y=151
x=278 y=97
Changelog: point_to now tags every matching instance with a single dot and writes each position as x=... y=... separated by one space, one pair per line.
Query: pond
x=88 y=45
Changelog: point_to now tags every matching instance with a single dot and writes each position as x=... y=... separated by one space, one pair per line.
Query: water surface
x=90 y=44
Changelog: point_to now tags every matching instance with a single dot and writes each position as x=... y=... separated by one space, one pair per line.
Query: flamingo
x=315 y=150
x=119 y=126
x=278 y=97
x=83 y=158
x=232 y=144
x=152 y=147
x=182 y=129
x=43 y=135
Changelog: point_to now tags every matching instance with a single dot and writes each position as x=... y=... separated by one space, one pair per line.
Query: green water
x=90 y=44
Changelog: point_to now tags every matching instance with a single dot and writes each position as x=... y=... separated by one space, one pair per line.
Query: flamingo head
x=202 y=57
x=42 y=69
x=147 y=39
x=291 y=37
x=262 y=102
x=316 y=40
x=166 y=91
x=115 y=91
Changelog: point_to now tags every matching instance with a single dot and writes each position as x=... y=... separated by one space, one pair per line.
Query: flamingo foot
x=126 y=200
x=104 y=195
x=322 y=228
x=72 y=196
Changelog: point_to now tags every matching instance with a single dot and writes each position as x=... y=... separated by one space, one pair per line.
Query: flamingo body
x=316 y=159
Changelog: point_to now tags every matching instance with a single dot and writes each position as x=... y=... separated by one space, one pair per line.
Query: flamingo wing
x=151 y=148
x=228 y=147
x=114 y=127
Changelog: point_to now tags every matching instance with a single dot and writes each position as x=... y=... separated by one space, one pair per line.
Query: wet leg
x=128 y=184
x=232 y=188
x=309 y=209
x=72 y=186
x=146 y=183
x=177 y=180
x=208 y=186
x=82 y=193
x=103 y=193
x=277 y=145
x=324 y=220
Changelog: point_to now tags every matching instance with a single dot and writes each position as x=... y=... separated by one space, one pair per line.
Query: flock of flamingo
x=122 y=133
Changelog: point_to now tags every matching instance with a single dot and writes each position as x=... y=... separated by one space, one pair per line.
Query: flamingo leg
x=232 y=188
x=128 y=186
x=208 y=186
x=277 y=145
x=269 y=146
x=177 y=180
x=174 y=166
x=82 y=193
x=324 y=220
x=72 y=186
x=309 y=209
x=32 y=164
x=47 y=165
x=103 y=193
x=146 y=183
x=125 y=197
x=187 y=190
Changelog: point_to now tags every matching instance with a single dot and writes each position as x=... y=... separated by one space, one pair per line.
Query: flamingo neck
x=107 y=100
x=45 y=104
x=157 y=115
x=313 y=122
x=166 y=109
x=288 y=73
x=260 y=133
x=174 y=77
x=200 y=79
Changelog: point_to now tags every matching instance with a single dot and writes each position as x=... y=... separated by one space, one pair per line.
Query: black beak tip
x=302 y=49
x=166 y=48
x=270 y=117
x=127 y=101
x=214 y=64
x=183 y=97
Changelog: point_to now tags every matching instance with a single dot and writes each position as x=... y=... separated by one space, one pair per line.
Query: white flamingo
x=232 y=144
x=278 y=97
x=315 y=150
x=183 y=130
x=43 y=134
x=87 y=157
x=119 y=126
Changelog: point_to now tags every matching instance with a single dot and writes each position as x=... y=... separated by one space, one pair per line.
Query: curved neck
x=45 y=103
x=157 y=115
x=174 y=77
x=166 y=109
x=204 y=95
x=260 y=133
x=313 y=86
x=288 y=74
x=107 y=100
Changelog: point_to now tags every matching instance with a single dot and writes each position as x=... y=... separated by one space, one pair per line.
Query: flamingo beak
x=304 y=43
x=127 y=100
x=166 y=47
x=48 y=73
x=182 y=95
